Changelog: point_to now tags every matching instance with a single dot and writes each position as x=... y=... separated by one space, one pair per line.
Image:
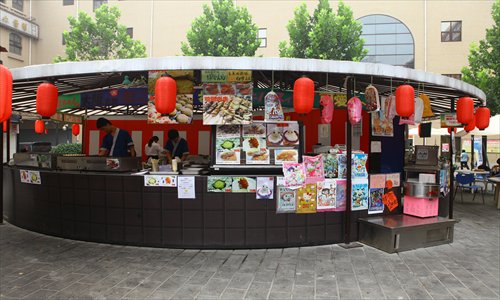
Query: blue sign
x=114 y=97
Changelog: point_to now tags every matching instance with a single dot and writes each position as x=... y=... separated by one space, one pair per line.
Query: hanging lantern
x=46 y=100
x=39 y=126
x=450 y=129
x=405 y=100
x=482 y=118
x=303 y=95
x=354 y=108
x=75 y=129
x=5 y=93
x=471 y=125
x=465 y=110
x=165 y=95
x=327 y=108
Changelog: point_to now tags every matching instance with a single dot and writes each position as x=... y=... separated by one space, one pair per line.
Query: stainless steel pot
x=421 y=190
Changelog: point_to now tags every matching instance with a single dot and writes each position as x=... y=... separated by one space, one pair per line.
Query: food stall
x=266 y=184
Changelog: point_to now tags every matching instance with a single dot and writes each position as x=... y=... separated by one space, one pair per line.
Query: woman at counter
x=153 y=148
x=116 y=143
x=176 y=146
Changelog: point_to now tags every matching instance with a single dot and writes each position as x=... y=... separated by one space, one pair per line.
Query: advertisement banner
x=114 y=97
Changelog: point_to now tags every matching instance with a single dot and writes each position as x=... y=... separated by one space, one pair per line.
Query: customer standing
x=176 y=146
x=153 y=149
x=116 y=143
x=464 y=158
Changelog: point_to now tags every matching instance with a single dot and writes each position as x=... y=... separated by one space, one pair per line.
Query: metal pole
x=8 y=140
x=1 y=179
x=347 y=231
x=452 y=171
x=472 y=152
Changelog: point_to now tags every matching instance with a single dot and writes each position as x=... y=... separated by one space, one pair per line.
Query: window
x=451 y=31
x=98 y=3
x=388 y=41
x=18 y=4
x=456 y=76
x=15 y=43
x=130 y=32
x=68 y=2
x=262 y=36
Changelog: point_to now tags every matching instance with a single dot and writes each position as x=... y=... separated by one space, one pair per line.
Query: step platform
x=397 y=233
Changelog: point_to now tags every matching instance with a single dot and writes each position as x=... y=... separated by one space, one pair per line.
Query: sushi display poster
x=160 y=180
x=359 y=165
x=306 y=199
x=376 y=205
x=265 y=188
x=31 y=177
x=359 y=194
x=327 y=195
x=286 y=200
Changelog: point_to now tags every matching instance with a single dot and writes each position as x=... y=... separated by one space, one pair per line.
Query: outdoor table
x=496 y=182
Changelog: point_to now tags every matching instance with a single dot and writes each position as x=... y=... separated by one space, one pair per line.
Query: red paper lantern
x=450 y=129
x=165 y=95
x=46 y=100
x=482 y=118
x=5 y=93
x=75 y=129
x=465 y=110
x=39 y=126
x=405 y=100
x=303 y=95
x=471 y=125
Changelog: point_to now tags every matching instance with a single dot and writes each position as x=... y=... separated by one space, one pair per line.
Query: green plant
x=67 y=149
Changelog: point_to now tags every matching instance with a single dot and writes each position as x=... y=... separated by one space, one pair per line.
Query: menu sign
x=221 y=76
x=449 y=120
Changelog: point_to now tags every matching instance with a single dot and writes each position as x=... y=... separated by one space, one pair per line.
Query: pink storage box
x=421 y=207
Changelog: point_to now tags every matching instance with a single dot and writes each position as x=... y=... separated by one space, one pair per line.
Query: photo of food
x=257 y=157
x=254 y=130
x=227 y=89
x=219 y=184
x=224 y=144
x=254 y=143
x=244 y=88
x=183 y=79
x=228 y=131
x=274 y=135
x=211 y=89
x=244 y=185
x=291 y=134
x=182 y=114
x=381 y=126
x=285 y=155
x=227 y=109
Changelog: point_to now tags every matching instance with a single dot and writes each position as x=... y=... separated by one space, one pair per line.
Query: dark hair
x=154 y=138
x=101 y=122
x=498 y=161
x=173 y=134
x=463 y=150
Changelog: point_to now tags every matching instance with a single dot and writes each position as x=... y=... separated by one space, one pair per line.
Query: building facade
x=431 y=35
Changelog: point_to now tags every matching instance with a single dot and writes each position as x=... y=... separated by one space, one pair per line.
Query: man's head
x=463 y=151
x=104 y=125
x=173 y=135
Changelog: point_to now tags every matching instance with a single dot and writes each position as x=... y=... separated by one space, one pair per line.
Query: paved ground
x=35 y=266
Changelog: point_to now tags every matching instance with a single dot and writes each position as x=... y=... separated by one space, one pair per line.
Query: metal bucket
x=421 y=190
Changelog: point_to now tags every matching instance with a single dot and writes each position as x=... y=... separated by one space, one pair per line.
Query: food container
x=421 y=190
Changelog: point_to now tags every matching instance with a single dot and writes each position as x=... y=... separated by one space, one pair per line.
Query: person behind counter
x=176 y=146
x=153 y=149
x=116 y=143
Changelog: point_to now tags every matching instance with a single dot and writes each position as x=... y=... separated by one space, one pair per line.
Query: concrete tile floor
x=35 y=266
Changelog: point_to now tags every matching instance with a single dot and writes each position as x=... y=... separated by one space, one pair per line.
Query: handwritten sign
x=222 y=76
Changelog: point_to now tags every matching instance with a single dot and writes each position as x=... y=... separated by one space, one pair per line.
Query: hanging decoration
x=469 y=127
x=303 y=95
x=5 y=93
x=354 y=108
x=419 y=109
x=405 y=100
x=165 y=95
x=46 y=100
x=39 y=126
x=482 y=118
x=465 y=110
x=75 y=129
x=427 y=113
x=327 y=108
x=372 y=99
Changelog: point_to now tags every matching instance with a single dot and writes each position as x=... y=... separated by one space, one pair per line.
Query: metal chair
x=465 y=181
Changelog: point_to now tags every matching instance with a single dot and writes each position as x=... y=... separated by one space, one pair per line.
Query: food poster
x=265 y=188
x=228 y=131
x=291 y=134
x=394 y=178
x=359 y=166
x=342 y=165
x=257 y=130
x=244 y=185
x=227 y=103
x=227 y=151
x=360 y=194
x=285 y=155
x=341 y=194
x=381 y=126
x=24 y=174
x=273 y=109
x=186 y=187
x=330 y=165
x=375 y=205
x=254 y=143
x=160 y=180
x=295 y=175
x=219 y=184
x=286 y=200
x=274 y=135
x=327 y=195
x=314 y=168
x=306 y=199
x=183 y=112
x=377 y=181
x=259 y=157
x=32 y=177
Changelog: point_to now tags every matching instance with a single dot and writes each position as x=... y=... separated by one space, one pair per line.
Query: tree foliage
x=224 y=29
x=100 y=38
x=484 y=63
x=325 y=35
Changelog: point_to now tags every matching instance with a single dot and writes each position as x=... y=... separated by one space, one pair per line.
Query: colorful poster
x=291 y=134
x=330 y=165
x=273 y=109
x=244 y=185
x=359 y=166
x=394 y=177
x=306 y=199
x=257 y=157
x=282 y=156
x=341 y=195
x=381 y=126
x=223 y=76
x=286 y=200
x=375 y=205
x=295 y=175
x=227 y=151
x=254 y=130
x=219 y=184
x=254 y=143
x=160 y=180
x=228 y=131
x=24 y=174
x=360 y=194
x=265 y=188
x=390 y=200
x=274 y=135
x=31 y=177
x=186 y=187
x=314 y=168
x=449 y=120
x=377 y=181
x=227 y=103
x=342 y=165
x=327 y=195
